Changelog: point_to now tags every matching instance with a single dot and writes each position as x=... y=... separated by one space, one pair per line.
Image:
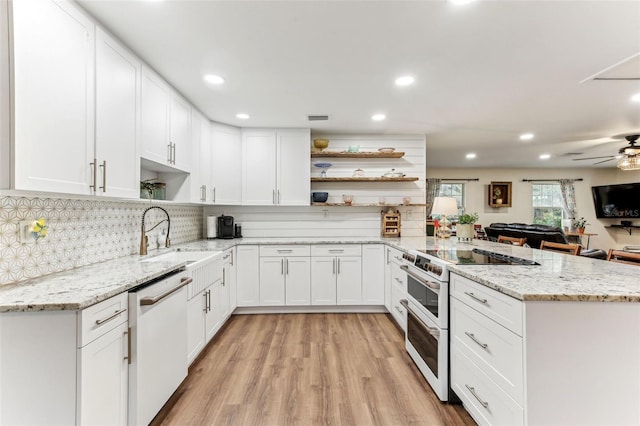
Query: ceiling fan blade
x=595 y=158
x=604 y=161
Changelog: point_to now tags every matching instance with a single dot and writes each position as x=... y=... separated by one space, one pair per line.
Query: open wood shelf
x=626 y=228
x=363 y=179
x=368 y=205
x=346 y=154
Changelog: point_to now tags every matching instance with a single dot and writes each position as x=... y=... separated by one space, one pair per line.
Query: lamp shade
x=446 y=206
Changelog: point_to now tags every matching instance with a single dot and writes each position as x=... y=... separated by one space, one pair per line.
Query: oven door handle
x=428 y=284
x=434 y=331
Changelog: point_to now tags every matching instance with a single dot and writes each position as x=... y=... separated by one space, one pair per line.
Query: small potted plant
x=580 y=224
x=464 y=227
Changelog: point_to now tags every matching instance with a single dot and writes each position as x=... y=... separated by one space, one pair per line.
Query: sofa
x=535 y=234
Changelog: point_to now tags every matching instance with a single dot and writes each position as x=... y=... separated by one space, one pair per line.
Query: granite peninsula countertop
x=558 y=277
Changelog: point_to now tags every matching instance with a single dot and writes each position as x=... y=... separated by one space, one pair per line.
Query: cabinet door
x=387 y=278
x=230 y=279
x=373 y=274
x=298 y=280
x=247 y=276
x=272 y=281
x=103 y=377
x=117 y=119
x=154 y=119
x=349 y=280
x=213 y=318
x=180 y=133
x=226 y=165
x=259 y=168
x=294 y=175
x=323 y=280
x=225 y=294
x=200 y=172
x=54 y=91
x=196 y=308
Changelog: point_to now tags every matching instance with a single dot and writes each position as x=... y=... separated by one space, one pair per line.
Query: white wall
x=476 y=197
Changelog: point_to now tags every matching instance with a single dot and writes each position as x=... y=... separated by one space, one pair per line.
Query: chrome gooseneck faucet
x=144 y=240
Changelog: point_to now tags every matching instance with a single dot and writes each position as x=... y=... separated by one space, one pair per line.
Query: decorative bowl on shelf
x=324 y=167
x=358 y=173
x=393 y=174
x=321 y=143
x=386 y=149
x=319 y=197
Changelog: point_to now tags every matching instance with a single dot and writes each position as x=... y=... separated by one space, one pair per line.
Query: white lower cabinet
x=336 y=274
x=248 y=275
x=65 y=367
x=285 y=275
x=373 y=274
x=395 y=286
x=229 y=278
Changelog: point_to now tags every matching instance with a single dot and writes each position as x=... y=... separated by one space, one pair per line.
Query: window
x=547 y=204
x=455 y=190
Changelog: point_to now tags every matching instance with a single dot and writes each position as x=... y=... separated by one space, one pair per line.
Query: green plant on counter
x=468 y=218
x=579 y=223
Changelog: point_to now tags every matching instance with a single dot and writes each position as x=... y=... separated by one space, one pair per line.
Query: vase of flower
x=464 y=227
x=579 y=224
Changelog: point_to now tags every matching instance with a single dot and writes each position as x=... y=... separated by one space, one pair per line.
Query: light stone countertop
x=558 y=277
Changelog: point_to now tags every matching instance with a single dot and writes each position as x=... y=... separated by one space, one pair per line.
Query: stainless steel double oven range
x=427 y=337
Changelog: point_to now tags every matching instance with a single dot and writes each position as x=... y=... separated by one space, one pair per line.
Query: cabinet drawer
x=481 y=397
x=398 y=311
x=394 y=255
x=503 y=309
x=398 y=277
x=493 y=348
x=102 y=317
x=292 y=250
x=336 y=250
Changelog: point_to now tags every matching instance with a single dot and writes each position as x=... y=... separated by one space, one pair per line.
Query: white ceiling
x=485 y=72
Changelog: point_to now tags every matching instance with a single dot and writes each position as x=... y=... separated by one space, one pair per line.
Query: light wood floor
x=307 y=369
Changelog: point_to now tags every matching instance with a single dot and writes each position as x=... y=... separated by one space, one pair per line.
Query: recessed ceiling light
x=378 y=117
x=461 y=1
x=405 y=80
x=526 y=136
x=242 y=116
x=636 y=97
x=213 y=79
x=471 y=155
x=545 y=156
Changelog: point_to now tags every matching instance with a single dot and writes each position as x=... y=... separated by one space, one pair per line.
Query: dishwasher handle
x=146 y=301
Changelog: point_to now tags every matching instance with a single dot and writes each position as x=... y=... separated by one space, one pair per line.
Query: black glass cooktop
x=477 y=257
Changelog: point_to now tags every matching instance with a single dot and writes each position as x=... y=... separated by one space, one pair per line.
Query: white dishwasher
x=158 y=357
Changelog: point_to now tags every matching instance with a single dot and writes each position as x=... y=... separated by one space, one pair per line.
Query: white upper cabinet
x=117 y=119
x=226 y=165
x=201 y=188
x=155 y=102
x=53 y=97
x=166 y=123
x=293 y=171
x=275 y=167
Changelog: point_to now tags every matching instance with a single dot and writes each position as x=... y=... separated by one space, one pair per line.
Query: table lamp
x=444 y=206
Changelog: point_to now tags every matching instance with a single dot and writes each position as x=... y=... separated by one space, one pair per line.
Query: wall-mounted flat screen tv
x=617 y=201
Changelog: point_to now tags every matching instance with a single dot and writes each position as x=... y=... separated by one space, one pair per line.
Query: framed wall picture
x=500 y=194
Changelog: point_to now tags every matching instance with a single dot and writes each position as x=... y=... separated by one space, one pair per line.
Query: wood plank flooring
x=307 y=369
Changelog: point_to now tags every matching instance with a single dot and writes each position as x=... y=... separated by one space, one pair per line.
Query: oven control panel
x=408 y=257
x=426 y=265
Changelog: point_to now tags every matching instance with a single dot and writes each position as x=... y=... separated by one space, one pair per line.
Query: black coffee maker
x=225 y=227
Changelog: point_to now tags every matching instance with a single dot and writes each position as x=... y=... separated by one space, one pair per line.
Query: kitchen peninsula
x=578 y=332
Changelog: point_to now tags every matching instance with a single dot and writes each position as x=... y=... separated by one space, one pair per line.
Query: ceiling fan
x=625 y=153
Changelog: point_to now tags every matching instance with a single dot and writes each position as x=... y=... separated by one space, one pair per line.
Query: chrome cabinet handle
x=284 y=250
x=278 y=196
x=286 y=266
x=338 y=266
x=94 y=174
x=426 y=283
x=399 y=259
x=231 y=257
x=388 y=256
x=104 y=176
x=398 y=279
x=473 y=392
x=334 y=266
x=273 y=196
x=224 y=276
x=145 y=301
x=473 y=337
x=206 y=302
x=476 y=298
x=214 y=195
x=110 y=317
x=281 y=266
x=399 y=310
x=128 y=357
x=173 y=154
x=336 y=250
x=169 y=153
x=209 y=299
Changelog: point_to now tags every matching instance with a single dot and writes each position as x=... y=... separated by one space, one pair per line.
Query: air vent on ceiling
x=628 y=69
x=317 y=117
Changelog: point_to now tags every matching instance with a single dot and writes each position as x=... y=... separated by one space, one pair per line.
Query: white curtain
x=433 y=186
x=568 y=197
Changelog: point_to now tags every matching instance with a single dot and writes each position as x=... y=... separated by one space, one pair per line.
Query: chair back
x=511 y=240
x=573 y=249
x=623 y=257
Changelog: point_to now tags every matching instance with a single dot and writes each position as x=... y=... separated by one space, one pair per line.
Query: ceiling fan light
x=632 y=150
x=629 y=163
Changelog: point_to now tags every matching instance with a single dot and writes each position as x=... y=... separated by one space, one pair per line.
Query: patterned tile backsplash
x=82 y=232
